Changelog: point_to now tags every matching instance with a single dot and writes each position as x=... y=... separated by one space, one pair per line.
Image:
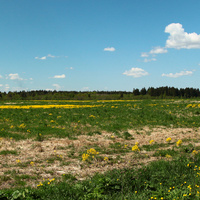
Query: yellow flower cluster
x=90 y=153
x=22 y=126
x=194 y=152
x=178 y=143
x=106 y=158
x=168 y=139
x=92 y=116
x=68 y=106
x=85 y=156
x=193 y=106
x=135 y=148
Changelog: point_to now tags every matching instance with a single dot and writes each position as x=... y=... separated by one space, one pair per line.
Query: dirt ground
x=51 y=158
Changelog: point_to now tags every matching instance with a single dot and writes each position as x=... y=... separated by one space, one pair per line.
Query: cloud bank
x=176 y=75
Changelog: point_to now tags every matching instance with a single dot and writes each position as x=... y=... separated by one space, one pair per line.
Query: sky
x=99 y=45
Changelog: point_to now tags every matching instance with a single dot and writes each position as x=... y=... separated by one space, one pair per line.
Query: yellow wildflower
x=135 y=148
x=168 y=139
x=178 y=143
x=151 y=141
x=106 y=158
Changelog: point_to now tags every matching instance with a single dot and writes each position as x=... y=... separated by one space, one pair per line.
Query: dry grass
x=53 y=157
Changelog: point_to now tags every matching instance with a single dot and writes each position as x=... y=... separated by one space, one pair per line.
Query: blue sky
x=99 y=44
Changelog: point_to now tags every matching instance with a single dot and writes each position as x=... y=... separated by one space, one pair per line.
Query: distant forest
x=151 y=92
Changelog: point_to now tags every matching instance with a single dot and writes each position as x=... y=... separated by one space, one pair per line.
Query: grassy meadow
x=102 y=149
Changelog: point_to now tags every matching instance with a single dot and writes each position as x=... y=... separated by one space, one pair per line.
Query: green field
x=120 y=149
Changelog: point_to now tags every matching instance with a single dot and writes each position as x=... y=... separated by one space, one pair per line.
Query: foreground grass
x=27 y=150
x=177 y=179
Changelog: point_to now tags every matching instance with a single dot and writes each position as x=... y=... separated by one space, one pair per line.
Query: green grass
x=60 y=122
x=160 y=179
x=7 y=152
x=163 y=179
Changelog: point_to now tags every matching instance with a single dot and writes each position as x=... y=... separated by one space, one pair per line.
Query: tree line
x=151 y=92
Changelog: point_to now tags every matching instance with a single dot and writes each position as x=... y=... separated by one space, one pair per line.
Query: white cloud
x=57 y=86
x=59 y=76
x=109 y=49
x=42 y=58
x=158 y=50
x=1 y=76
x=176 y=75
x=155 y=50
x=49 y=56
x=179 y=39
x=144 y=54
x=149 y=60
x=136 y=72
x=14 y=77
x=1 y=85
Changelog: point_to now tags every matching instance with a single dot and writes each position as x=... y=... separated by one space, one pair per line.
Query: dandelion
x=137 y=143
x=32 y=163
x=18 y=161
x=168 y=139
x=92 y=151
x=85 y=156
x=151 y=141
x=168 y=156
x=40 y=184
x=135 y=148
x=22 y=126
x=178 y=143
x=194 y=152
x=106 y=158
